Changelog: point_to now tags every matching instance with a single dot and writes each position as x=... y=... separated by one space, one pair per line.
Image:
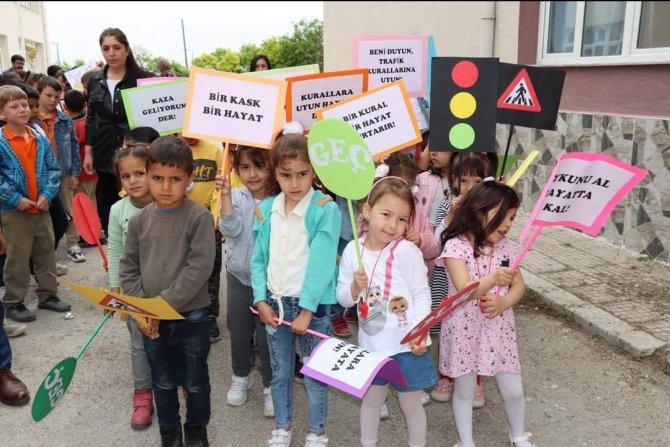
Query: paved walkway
x=610 y=291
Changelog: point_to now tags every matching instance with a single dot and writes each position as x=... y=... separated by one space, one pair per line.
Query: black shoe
x=214 y=333
x=84 y=244
x=172 y=437
x=20 y=313
x=195 y=435
x=298 y=377
x=54 y=303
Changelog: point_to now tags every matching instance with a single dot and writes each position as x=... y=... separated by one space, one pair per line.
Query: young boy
x=60 y=131
x=169 y=252
x=75 y=107
x=207 y=161
x=29 y=180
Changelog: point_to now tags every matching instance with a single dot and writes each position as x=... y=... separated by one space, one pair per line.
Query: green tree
x=222 y=59
x=270 y=47
x=304 y=46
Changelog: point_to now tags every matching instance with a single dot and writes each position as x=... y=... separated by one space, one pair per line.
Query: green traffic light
x=461 y=136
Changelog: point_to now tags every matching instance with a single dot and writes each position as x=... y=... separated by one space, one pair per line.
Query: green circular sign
x=461 y=136
x=53 y=388
x=341 y=158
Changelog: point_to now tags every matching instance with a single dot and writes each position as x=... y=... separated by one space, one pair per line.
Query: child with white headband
x=293 y=277
x=392 y=294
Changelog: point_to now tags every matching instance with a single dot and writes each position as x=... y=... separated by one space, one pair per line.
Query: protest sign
x=463 y=102
x=446 y=307
x=281 y=74
x=156 y=308
x=350 y=368
x=306 y=94
x=341 y=158
x=529 y=96
x=393 y=58
x=582 y=191
x=383 y=117
x=159 y=105
x=233 y=108
x=147 y=81
x=74 y=76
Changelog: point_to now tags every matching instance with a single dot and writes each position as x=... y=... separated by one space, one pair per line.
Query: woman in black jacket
x=106 y=121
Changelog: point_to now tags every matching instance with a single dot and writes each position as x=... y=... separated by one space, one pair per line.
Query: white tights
x=511 y=391
x=410 y=403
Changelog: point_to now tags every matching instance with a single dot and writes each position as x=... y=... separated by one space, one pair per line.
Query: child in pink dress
x=480 y=337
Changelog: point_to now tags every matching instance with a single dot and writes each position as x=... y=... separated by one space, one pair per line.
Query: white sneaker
x=237 y=393
x=268 y=405
x=61 y=269
x=280 y=438
x=385 y=412
x=13 y=329
x=75 y=254
x=314 y=440
x=425 y=398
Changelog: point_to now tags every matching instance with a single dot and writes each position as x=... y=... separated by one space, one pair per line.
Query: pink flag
x=582 y=191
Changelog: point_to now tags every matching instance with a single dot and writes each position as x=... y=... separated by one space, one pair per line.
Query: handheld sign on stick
x=346 y=366
x=55 y=384
x=446 y=307
x=343 y=163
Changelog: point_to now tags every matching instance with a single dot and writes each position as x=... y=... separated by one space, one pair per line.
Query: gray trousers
x=138 y=358
x=242 y=324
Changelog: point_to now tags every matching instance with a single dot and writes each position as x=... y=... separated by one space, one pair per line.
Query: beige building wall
x=459 y=28
x=23 y=31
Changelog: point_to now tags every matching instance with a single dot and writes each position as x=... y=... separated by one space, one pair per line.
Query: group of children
x=412 y=239
x=282 y=238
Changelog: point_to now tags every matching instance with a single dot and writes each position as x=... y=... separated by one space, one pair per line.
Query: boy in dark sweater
x=169 y=252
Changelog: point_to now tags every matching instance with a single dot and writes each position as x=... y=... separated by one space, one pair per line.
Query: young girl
x=433 y=185
x=252 y=165
x=479 y=337
x=392 y=268
x=420 y=231
x=130 y=165
x=293 y=277
x=465 y=172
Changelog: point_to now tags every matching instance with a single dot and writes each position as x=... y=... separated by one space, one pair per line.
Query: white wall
x=22 y=26
x=456 y=27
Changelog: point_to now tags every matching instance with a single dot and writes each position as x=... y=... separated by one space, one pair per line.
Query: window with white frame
x=604 y=33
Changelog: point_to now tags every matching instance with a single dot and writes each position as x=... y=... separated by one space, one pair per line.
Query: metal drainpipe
x=487 y=29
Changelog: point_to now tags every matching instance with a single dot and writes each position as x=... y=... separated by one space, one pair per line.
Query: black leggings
x=107 y=194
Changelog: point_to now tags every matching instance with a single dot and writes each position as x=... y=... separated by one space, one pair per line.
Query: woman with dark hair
x=260 y=62
x=106 y=121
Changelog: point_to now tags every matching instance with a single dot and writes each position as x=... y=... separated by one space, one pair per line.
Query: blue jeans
x=336 y=310
x=282 y=359
x=5 y=350
x=179 y=357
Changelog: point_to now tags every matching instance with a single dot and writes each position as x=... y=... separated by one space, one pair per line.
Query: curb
x=593 y=319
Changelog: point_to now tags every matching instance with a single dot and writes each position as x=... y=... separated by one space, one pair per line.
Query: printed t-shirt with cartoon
x=400 y=273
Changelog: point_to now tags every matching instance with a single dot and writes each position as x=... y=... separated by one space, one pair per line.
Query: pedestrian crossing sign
x=520 y=95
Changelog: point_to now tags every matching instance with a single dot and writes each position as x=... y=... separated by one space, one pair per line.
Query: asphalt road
x=579 y=390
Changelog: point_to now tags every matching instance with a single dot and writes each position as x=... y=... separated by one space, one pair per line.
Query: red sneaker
x=340 y=328
x=143 y=408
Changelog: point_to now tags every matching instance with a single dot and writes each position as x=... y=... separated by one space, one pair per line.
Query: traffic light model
x=463 y=104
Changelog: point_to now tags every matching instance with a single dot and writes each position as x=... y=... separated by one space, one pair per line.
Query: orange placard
x=383 y=117
x=233 y=108
x=308 y=93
